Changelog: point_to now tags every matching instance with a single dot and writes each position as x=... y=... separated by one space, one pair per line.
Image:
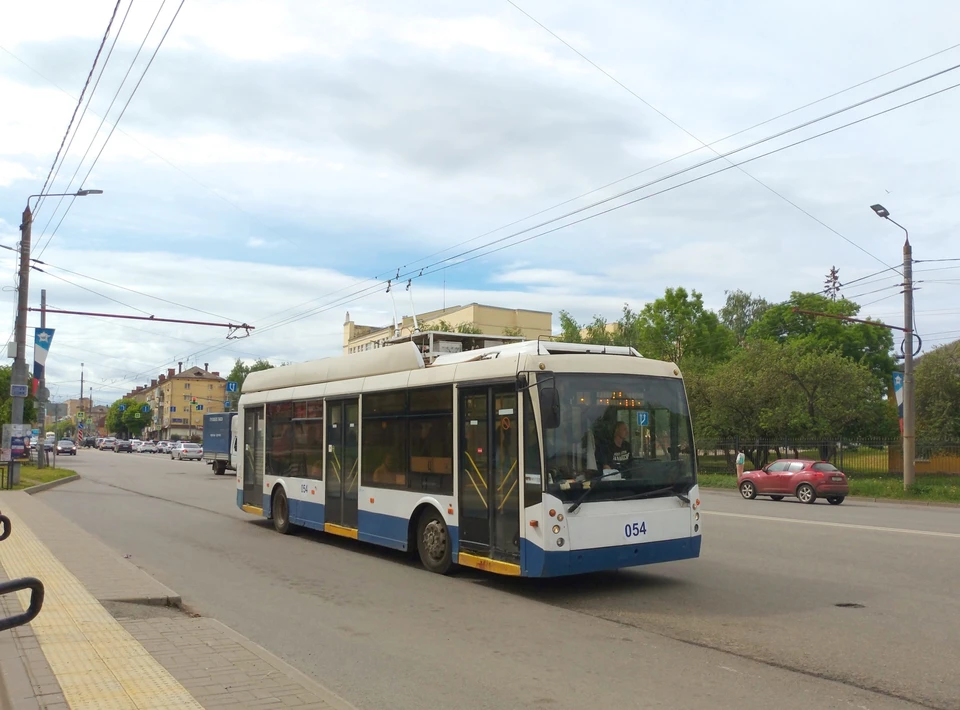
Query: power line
x=79 y=101
x=122 y=111
x=689 y=133
x=868 y=293
x=90 y=290
x=929 y=261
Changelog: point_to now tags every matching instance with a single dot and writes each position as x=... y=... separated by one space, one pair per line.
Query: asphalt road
x=754 y=623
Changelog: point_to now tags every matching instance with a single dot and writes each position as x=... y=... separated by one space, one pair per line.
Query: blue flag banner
x=42 y=337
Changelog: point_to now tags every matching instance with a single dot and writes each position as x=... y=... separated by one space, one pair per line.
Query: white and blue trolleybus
x=532 y=458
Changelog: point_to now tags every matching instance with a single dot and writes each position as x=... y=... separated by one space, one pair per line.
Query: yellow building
x=179 y=400
x=477 y=318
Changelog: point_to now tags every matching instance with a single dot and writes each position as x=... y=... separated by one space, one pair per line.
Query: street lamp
x=909 y=430
x=19 y=387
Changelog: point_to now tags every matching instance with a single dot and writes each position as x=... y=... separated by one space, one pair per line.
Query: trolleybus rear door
x=342 y=476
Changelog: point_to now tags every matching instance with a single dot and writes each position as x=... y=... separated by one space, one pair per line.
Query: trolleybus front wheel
x=433 y=542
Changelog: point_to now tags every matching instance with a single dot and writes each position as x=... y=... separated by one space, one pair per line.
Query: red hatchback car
x=805 y=479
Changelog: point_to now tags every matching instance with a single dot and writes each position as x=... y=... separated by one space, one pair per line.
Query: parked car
x=164 y=447
x=122 y=445
x=805 y=479
x=66 y=447
x=88 y=442
x=186 y=450
x=146 y=447
x=98 y=442
x=107 y=443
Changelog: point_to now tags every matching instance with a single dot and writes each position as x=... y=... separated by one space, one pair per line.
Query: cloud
x=256 y=242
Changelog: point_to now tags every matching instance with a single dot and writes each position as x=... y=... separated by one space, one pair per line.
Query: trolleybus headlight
x=559 y=542
x=560 y=517
x=696 y=528
x=556 y=529
x=696 y=516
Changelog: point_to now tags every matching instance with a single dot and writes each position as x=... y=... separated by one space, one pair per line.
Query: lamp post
x=909 y=424
x=19 y=387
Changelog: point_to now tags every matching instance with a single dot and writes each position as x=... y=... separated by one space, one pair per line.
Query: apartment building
x=178 y=400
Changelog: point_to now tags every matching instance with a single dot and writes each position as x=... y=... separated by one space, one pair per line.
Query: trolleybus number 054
x=635 y=529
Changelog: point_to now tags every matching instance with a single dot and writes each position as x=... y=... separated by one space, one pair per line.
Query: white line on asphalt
x=851 y=526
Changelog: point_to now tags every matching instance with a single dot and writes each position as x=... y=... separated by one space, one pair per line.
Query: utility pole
x=41 y=449
x=19 y=380
x=909 y=423
x=83 y=416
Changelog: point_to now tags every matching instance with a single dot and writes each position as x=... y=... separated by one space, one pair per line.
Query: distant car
x=48 y=444
x=186 y=450
x=164 y=447
x=805 y=479
x=135 y=444
x=66 y=447
x=89 y=442
x=146 y=447
x=98 y=442
x=122 y=445
x=107 y=443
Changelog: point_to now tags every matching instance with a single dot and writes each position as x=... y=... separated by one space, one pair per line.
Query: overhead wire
x=50 y=175
x=691 y=135
x=122 y=111
x=90 y=290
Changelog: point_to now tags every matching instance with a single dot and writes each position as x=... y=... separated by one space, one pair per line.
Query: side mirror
x=549 y=407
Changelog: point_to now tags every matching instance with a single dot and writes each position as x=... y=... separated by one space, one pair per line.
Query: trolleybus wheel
x=433 y=542
x=281 y=511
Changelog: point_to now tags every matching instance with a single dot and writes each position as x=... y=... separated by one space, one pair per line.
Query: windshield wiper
x=588 y=490
x=659 y=491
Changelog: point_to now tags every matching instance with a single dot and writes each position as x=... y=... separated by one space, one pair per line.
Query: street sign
x=233 y=387
x=199 y=407
x=80 y=416
x=19 y=391
x=226 y=404
x=643 y=418
x=136 y=415
x=122 y=408
x=145 y=408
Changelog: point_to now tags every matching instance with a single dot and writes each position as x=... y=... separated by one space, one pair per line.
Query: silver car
x=185 y=450
x=147 y=447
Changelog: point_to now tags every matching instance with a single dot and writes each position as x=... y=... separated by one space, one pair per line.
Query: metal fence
x=860 y=457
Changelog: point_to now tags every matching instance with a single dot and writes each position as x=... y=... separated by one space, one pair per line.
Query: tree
x=937 y=393
x=870 y=345
x=442 y=326
x=239 y=373
x=6 y=401
x=569 y=328
x=117 y=420
x=65 y=429
x=677 y=327
x=469 y=329
x=135 y=419
x=741 y=311
x=513 y=331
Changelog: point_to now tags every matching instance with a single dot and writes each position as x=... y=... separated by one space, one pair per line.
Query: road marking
x=851 y=526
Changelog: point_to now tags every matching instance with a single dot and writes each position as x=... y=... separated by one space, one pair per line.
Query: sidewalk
x=110 y=636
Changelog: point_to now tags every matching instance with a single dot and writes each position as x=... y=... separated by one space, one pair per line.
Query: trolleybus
x=532 y=458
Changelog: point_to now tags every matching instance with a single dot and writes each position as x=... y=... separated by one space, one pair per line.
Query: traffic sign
x=19 y=391
x=122 y=408
x=136 y=415
x=80 y=416
x=226 y=404
x=233 y=387
x=643 y=418
x=199 y=407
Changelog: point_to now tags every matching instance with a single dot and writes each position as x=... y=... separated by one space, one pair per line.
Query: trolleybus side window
x=532 y=471
x=308 y=438
x=408 y=440
x=279 y=448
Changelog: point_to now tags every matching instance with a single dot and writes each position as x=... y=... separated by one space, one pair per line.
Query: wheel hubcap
x=434 y=540
x=804 y=494
x=746 y=490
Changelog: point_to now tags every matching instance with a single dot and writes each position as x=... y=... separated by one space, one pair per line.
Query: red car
x=805 y=479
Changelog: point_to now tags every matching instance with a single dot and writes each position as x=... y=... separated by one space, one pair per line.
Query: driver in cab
x=614 y=455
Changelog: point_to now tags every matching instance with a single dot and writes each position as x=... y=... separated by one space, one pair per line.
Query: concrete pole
x=20 y=362
x=909 y=422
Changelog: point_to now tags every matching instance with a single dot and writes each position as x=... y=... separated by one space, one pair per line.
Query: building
x=78 y=405
x=179 y=399
x=501 y=323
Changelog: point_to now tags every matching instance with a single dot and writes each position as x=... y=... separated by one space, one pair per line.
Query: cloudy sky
x=280 y=161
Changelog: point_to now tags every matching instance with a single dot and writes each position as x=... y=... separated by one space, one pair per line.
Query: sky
x=279 y=163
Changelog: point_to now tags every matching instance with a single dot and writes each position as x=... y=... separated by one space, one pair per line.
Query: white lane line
x=872 y=528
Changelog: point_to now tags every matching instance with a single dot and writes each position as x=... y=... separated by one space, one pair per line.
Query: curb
x=327 y=695
x=861 y=499
x=40 y=487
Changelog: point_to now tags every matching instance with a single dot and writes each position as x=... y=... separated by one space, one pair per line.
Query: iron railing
x=861 y=457
x=18 y=585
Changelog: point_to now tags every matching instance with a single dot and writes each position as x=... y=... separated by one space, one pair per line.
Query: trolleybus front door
x=253 y=450
x=342 y=476
x=489 y=472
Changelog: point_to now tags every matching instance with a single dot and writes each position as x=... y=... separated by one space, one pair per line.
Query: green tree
x=569 y=328
x=6 y=401
x=677 y=327
x=513 y=331
x=135 y=419
x=65 y=429
x=741 y=311
x=116 y=420
x=469 y=329
x=870 y=345
x=937 y=394
x=239 y=373
x=442 y=326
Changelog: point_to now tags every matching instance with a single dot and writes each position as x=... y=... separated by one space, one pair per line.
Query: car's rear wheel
x=835 y=500
x=777 y=497
x=748 y=490
x=806 y=494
